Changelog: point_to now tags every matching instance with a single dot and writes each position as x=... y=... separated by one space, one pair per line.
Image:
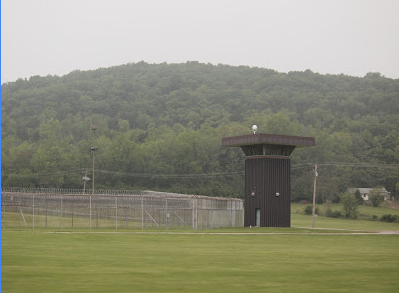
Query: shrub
x=333 y=214
x=309 y=210
x=349 y=203
x=375 y=197
x=390 y=218
x=374 y=218
x=359 y=197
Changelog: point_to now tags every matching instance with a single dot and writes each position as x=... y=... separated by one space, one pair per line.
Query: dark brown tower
x=267 y=176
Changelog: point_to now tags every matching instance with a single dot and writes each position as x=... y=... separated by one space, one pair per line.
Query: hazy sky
x=41 y=37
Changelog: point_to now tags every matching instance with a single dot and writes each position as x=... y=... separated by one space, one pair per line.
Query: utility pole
x=314 y=193
x=93 y=149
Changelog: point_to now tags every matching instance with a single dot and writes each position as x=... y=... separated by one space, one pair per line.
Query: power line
x=209 y=175
x=359 y=165
x=42 y=174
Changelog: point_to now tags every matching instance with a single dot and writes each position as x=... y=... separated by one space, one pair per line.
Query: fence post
x=33 y=212
x=3 y=215
x=46 y=210
x=126 y=210
x=194 y=214
x=142 y=213
x=167 y=215
x=90 y=214
x=61 y=211
x=231 y=214
x=116 y=212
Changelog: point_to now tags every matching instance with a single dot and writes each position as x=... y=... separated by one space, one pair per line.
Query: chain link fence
x=116 y=209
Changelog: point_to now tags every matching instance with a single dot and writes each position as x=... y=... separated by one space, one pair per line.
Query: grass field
x=365 y=211
x=47 y=260
x=101 y=262
x=298 y=220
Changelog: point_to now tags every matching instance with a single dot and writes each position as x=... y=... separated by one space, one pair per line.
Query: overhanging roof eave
x=263 y=138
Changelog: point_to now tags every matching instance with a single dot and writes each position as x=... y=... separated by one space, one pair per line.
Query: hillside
x=160 y=127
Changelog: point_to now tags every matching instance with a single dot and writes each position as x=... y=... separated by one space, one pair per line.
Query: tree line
x=160 y=127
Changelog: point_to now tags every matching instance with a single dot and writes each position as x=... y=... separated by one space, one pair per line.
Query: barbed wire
x=143 y=175
x=193 y=175
x=71 y=191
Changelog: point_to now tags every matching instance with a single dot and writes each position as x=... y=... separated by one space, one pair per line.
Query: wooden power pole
x=93 y=149
x=314 y=194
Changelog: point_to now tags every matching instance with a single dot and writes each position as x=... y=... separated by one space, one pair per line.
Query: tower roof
x=263 y=138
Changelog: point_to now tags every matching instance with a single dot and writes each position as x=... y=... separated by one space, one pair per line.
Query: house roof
x=368 y=190
x=365 y=190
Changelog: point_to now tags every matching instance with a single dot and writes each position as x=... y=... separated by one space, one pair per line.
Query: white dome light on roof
x=254 y=128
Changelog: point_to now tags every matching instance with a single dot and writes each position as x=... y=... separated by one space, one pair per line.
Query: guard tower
x=267 y=176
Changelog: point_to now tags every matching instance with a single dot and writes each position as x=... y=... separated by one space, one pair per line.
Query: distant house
x=364 y=192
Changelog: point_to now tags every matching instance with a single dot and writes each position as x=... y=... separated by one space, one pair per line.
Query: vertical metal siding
x=268 y=175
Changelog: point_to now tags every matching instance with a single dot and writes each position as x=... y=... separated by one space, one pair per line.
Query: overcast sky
x=41 y=37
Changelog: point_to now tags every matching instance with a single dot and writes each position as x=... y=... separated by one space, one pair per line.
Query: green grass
x=365 y=211
x=298 y=220
x=95 y=262
x=42 y=261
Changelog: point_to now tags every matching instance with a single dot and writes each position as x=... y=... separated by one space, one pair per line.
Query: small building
x=365 y=192
x=267 y=176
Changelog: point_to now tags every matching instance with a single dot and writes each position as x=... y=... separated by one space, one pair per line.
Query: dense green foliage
x=375 y=197
x=160 y=127
x=309 y=210
x=349 y=204
x=390 y=218
x=359 y=197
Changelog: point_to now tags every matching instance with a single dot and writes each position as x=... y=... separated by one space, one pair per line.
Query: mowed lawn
x=37 y=261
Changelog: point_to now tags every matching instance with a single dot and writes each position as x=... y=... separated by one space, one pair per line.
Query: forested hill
x=160 y=127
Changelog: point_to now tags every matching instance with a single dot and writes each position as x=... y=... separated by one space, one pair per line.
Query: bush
x=359 y=197
x=309 y=210
x=333 y=214
x=390 y=218
x=349 y=203
x=375 y=197
x=374 y=218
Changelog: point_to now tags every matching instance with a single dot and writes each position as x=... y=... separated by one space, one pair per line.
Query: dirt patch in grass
x=394 y=204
